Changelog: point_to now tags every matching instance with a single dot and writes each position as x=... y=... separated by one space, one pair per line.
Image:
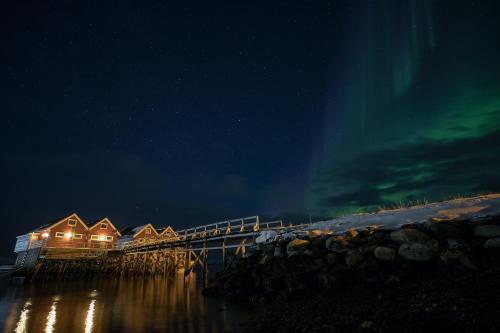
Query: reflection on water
x=116 y=305
x=51 y=318
x=89 y=321
x=23 y=318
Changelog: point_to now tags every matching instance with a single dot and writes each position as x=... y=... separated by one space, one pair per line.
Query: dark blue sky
x=178 y=113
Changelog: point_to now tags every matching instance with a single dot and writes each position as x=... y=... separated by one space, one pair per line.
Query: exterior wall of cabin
x=148 y=234
x=102 y=237
x=169 y=235
x=58 y=235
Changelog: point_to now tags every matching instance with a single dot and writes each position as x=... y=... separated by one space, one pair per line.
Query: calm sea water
x=117 y=305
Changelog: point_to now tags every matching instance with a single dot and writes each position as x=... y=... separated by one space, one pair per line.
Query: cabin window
x=104 y=226
x=60 y=234
x=141 y=240
x=78 y=236
x=148 y=231
x=94 y=237
x=72 y=223
x=109 y=238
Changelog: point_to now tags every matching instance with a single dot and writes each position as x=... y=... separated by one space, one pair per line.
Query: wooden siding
x=143 y=235
x=78 y=229
x=96 y=230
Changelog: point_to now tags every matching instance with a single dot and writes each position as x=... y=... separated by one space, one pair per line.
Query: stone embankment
x=316 y=260
x=306 y=265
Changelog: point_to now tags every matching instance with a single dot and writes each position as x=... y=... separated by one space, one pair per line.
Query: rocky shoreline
x=439 y=274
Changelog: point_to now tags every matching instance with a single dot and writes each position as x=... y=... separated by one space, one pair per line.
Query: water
x=117 y=305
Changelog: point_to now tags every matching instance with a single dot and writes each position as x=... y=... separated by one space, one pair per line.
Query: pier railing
x=241 y=227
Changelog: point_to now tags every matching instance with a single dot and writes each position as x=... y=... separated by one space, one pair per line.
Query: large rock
x=331 y=258
x=457 y=244
x=353 y=258
x=278 y=251
x=266 y=236
x=314 y=234
x=296 y=246
x=336 y=244
x=403 y=236
x=492 y=243
x=384 y=253
x=446 y=230
x=487 y=231
x=419 y=251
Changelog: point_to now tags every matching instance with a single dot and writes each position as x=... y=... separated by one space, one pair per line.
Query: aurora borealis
x=414 y=114
x=178 y=113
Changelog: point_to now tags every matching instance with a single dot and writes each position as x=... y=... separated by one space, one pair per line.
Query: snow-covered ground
x=475 y=208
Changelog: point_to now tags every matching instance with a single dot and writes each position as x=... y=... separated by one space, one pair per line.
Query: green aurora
x=415 y=114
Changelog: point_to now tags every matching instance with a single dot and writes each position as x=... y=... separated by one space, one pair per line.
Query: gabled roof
x=58 y=221
x=104 y=220
x=168 y=230
x=133 y=231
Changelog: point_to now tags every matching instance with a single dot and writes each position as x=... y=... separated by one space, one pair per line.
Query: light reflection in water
x=51 y=318
x=23 y=318
x=89 y=320
x=150 y=305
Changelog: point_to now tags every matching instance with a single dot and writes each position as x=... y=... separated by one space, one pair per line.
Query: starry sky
x=183 y=112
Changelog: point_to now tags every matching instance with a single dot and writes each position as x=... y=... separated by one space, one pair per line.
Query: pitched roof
x=127 y=231
x=135 y=230
x=55 y=222
x=167 y=230
x=104 y=220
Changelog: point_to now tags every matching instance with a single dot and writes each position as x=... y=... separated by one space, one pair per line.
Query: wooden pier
x=184 y=252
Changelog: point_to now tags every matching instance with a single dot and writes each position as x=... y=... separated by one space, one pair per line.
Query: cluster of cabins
x=71 y=232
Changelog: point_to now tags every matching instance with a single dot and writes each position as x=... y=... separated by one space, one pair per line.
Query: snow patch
x=475 y=208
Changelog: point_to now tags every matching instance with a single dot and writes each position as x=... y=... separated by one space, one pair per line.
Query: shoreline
x=442 y=272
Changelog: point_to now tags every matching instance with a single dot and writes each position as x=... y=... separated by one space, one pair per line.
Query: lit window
x=109 y=238
x=148 y=231
x=72 y=223
x=94 y=237
x=60 y=234
x=104 y=226
x=78 y=236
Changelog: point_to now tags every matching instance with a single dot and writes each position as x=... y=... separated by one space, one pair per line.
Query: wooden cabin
x=102 y=234
x=65 y=232
x=168 y=234
x=139 y=235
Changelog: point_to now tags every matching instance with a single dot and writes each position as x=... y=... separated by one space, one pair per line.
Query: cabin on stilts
x=142 y=234
x=168 y=235
x=102 y=234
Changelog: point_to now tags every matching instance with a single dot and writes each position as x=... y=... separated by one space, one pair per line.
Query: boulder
x=446 y=230
x=296 y=246
x=278 y=252
x=266 y=236
x=336 y=244
x=309 y=252
x=314 y=234
x=403 y=236
x=492 y=243
x=419 y=251
x=457 y=244
x=451 y=255
x=331 y=258
x=487 y=231
x=353 y=233
x=353 y=258
x=385 y=253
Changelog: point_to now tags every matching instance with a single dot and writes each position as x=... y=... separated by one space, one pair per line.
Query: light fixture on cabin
x=102 y=238
x=68 y=235
x=45 y=235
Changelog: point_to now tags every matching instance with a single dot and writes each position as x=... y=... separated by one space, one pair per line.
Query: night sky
x=184 y=113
